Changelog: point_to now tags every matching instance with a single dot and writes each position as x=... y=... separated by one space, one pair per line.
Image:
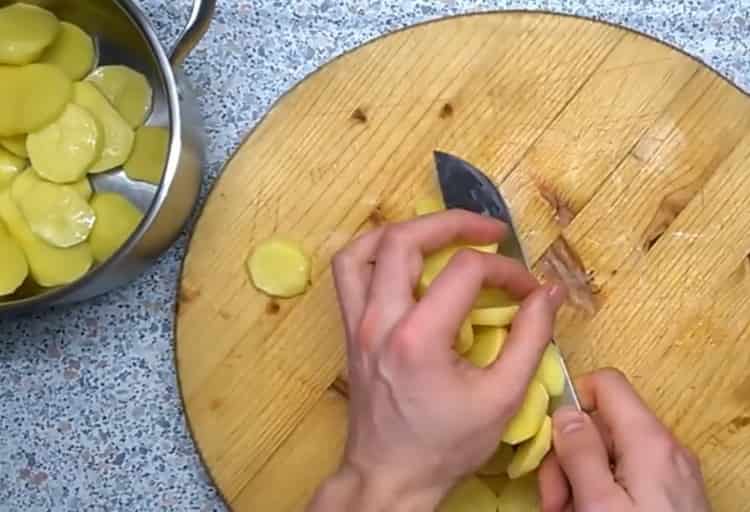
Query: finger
x=553 y=486
x=584 y=460
x=352 y=274
x=451 y=295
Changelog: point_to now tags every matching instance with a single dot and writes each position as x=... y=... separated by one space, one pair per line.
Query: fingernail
x=568 y=419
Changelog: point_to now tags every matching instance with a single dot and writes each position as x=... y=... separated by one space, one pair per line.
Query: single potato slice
x=493 y=298
x=529 y=418
x=13 y=263
x=83 y=188
x=127 y=89
x=521 y=495
x=488 y=342
x=55 y=213
x=116 y=220
x=550 y=372
x=429 y=204
x=72 y=51
x=496 y=483
x=498 y=463
x=149 y=156
x=471 y=495
x=118 y=136
x=63 y=151
x=465 y=338
x=498 y=317
x=10 y=167
x=279 y=268
x=49 y=266
x=437 y=261
x=530 y=453
x=25 y=31
x=31 y=97
x=15 y=144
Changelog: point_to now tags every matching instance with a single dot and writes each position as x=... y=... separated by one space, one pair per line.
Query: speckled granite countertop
x=90 y=416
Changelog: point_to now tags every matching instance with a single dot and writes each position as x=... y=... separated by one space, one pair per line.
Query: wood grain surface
x=624 y=161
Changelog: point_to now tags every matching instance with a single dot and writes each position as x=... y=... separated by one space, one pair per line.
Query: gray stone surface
x=90 y=416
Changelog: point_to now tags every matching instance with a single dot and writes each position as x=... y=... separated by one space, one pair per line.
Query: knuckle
x=404 y=339
x=467 y=258
x=394 y=236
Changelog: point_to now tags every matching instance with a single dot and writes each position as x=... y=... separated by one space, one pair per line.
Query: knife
x=464 y=186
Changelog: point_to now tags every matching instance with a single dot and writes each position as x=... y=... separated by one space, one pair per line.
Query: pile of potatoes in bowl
x=62 y=120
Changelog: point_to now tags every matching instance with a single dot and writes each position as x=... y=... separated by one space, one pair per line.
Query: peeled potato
x=488 y=342
x=25 y=31
x=550 y=372
x=149 y=156
x=279 y=268
x=471 y=495
x=521 y=495
x=10 y=167
x=498 y=463
x=493 y=297
x=83 y=188
x=116 y=220
x=495 y=482
x=55 y=213
x=437 y=261
x=465 y=338
x=530 y=454
x=429 y=204
x=498 y=317
x=127 y=89
x=528 y=420
x=63 y=151
x=49 y=266
x=15 y=144
x=118 y=136
x=13 y=263
x=72 y=51
x=31 y=97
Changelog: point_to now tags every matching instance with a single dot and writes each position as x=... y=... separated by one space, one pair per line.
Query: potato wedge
x=127 y=89
x=149 y=156
x=15 y=144
x=63 y=151
x=465 y=338
x=13 y=263
x=279 y=268
x=118 y=136
x=116 y=220
x=521 y=495
x=31 y=97
x=429 y=204
x=530 y=454
x=72 y=51
x=529 y=418
x=49 y=266
x=471 y=495
x=55 y=213
x=496 y=317
x=10 y=167
x=498 y=463
x=488 y=342
x=25 y=31
x=550 y=372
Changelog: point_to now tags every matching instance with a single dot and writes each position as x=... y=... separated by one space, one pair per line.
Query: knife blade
x=464 y=186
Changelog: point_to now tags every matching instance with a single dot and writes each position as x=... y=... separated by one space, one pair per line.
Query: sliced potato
x=83 y=188
x=10 y=167
x=116 y=220
x=63 y=151
x=127 y=89
x=495 y=482
x=55 y=213
x=498 y=463
x=498 y=317
x=550 y=372
x=529 y=418
x=31 y=97
x=72 y=51
x=118 y=136
x=488 y=342
x=13 y=263
x=429 y=204
x=49 y=266
x=492 y=298
x=279 y=268
x=149 y=156
x=530 y=454
x=521 y=495
x=25 y=31
x=437 y=261
x=471 y=495
x=465 y=338
x=15 y=144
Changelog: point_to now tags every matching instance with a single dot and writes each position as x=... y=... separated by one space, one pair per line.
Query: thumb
x=583 y=457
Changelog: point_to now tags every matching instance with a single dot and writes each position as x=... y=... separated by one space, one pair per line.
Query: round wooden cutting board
x=624 y=161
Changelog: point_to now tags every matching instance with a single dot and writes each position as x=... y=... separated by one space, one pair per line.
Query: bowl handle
x=200 y=19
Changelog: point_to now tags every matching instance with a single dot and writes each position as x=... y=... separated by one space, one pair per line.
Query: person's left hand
x=421 y=417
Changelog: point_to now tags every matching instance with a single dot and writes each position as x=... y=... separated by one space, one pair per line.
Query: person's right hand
x=620 y=458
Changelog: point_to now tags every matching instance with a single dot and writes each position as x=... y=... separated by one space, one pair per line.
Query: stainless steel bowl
x=123 y=35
